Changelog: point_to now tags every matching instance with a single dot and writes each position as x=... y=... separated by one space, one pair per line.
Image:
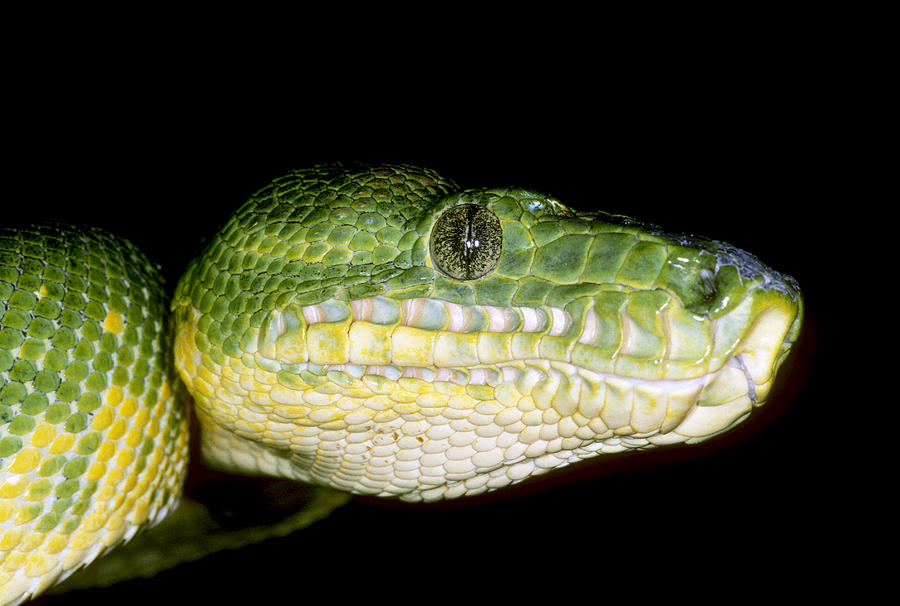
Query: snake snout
x=771 y=333
x=771 y=320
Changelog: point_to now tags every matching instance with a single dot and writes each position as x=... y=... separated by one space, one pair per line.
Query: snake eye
x=466 y=241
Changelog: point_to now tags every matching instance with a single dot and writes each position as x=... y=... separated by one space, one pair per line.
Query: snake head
x=380 y=331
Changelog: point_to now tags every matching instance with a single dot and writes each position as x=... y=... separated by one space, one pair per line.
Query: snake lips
x=378 y=331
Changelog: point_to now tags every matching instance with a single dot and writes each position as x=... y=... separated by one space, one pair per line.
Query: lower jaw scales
x=627 y=407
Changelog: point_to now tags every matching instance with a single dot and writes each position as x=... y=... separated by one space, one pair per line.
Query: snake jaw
x=382 y=365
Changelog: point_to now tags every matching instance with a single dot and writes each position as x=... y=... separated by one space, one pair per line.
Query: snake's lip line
x=515 y=371
x=549 y=320
x=494 y=374
x=552 y=321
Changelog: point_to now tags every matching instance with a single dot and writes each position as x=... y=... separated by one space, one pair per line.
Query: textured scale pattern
x=321 y=341
x=371 y=329
x=93 y=442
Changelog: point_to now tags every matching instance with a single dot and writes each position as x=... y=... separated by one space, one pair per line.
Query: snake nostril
x=708 y=283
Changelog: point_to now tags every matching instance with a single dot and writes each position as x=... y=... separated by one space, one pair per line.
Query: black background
x=743 y=513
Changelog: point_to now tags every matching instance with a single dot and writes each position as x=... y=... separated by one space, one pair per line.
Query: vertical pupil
x=470 y=241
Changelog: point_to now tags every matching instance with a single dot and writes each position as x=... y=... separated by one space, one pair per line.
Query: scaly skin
x=93 y=441
x=323 y=340
x=329 y=334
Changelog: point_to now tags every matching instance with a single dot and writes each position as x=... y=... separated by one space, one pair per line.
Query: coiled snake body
x=371 y=329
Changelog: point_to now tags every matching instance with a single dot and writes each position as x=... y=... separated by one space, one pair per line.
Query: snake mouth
x=559 y=357
x=532 y=381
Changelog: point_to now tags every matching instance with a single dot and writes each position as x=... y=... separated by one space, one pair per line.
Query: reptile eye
x=466 y=241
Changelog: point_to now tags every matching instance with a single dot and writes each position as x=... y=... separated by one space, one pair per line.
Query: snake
x=376 y=330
